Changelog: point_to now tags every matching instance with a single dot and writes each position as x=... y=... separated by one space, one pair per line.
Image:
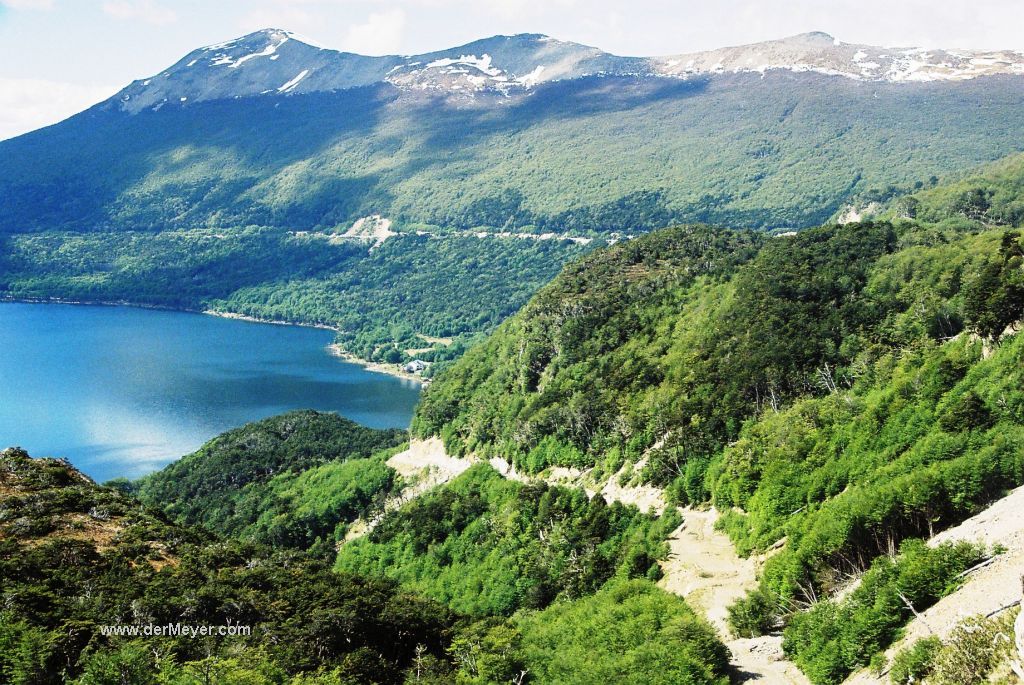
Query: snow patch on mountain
x=820 y=53
x=273 y=62
x=294 y=82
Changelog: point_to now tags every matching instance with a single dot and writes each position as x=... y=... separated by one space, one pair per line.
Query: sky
x=57 y=57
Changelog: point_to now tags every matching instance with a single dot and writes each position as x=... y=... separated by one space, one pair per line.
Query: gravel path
x=702 y=566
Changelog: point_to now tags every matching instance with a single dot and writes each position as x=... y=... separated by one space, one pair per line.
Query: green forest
x=839 y=394
x=290 y=481
x=381 y=300
x=561 y=157
x=76 y=557
x=487 y=546
x=235 y=205
x=842 y=392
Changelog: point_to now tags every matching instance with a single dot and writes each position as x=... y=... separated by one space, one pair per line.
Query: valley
x=724 y=379
x=208 y=186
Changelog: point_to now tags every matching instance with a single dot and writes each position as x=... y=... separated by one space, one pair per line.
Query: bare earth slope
x=702 y=566
x=987 y=591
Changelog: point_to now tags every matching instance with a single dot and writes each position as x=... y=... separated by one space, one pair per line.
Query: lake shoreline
x=334 y=349
x=255 y=319
x=379 y=367
x=121 y=392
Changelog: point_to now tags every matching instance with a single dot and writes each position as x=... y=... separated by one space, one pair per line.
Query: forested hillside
x=75 y=557
x=627 y=276
x=192 y=190
x=382 y=300
x=558 y=158
x=495 y=551
x=839 y=392
x=487 y=546
x=293 y=480
x=991 y=196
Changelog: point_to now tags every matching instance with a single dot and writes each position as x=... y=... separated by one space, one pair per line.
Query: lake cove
x=121 y=391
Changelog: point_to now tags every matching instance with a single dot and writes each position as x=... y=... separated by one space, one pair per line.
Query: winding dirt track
x=702 y=566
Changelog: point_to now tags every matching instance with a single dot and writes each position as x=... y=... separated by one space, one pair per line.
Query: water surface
x=122 y=391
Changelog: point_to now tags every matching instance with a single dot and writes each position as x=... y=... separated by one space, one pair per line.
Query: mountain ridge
x=277 y=62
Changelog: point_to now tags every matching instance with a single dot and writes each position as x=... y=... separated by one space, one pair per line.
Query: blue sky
x=59 y=56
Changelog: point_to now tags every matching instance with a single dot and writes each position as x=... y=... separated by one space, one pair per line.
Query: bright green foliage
x=309 y=509
x=680 y=335
x=75 y=556
x=846 y=479
x=630 y=632
x=833 y=638
x=585 y=362
x=992 y=196
x=824 y=389
x=489 y=651
x=26 y=651
x=485 y=545
x=995 y=296
x=912 y=664
x=288 y=480
x=128 y=663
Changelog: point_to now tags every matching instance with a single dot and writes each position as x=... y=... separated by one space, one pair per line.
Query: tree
x=994 y=299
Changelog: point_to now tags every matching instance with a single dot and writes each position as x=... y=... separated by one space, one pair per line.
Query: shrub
x=915 y=662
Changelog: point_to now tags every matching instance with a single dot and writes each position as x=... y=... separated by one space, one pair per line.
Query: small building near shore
x=415 y=366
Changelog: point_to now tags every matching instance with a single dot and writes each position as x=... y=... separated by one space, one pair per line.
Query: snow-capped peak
x=275 y=62
x=821 y=53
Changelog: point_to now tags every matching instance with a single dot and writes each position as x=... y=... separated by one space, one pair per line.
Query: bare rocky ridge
x=274 y=62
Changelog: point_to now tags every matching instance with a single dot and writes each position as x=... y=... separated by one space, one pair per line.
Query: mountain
x=227 y=182
x=275 y=62
x=820 y=52
x=838 y=394
x=523 y=132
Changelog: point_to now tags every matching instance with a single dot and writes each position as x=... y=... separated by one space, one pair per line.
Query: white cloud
x=142 y=10
x=28 y=4
x=381 y=34
x=28 y=104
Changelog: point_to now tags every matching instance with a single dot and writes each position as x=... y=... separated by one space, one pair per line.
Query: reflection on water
x=121 y=391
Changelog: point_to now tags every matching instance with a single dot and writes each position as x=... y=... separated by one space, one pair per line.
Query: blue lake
x=120 y=391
